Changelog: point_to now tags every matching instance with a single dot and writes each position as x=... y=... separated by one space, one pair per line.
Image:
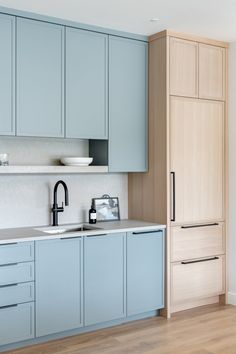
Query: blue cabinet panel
x=86 y=84
x=104 y=278
x=58 y=276
x=16 y=323
x=40 y=79
x=16 y=252
x=16 y=273
x=7 y=75
x=145 y=272
x=127 y=105
x=16 y=293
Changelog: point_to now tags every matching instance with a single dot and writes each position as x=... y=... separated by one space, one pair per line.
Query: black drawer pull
x=200 y=260
x=202 y=225
x=8 y=285
x=70 y=238
x=8 y=265
x=8 y=306
x=8 y=244
x=96 y=235
x=145 y=232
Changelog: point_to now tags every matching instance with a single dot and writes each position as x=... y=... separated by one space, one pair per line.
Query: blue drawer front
x=17 y=252
x=16 y=323
x=16 y=273
x=16 y=293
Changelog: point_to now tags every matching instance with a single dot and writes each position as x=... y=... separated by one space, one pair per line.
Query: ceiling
x=210 y=18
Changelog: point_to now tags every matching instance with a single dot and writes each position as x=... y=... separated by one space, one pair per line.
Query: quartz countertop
x=34 y=233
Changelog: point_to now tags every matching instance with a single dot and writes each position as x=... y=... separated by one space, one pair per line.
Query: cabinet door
x=40 y=76
x=127 y=105
x=197 y=160
x=58 y=285
x=145 y=272
x=212 y=72
x=86 y=84
x=183 y=67
x=16 y=323
x=7 y=75
x=104 y=278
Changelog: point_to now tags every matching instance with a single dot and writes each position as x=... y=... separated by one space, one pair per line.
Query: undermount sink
x=54 y=230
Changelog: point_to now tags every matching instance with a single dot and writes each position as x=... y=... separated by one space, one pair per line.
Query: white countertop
x=23 y=234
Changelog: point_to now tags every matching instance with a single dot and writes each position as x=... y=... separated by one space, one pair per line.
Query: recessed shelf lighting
x=154 y=19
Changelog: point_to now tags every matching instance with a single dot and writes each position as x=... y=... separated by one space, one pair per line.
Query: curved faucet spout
x=55 y=208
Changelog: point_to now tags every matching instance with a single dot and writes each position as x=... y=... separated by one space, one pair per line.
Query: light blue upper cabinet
x=86 y=84
x=104 y=278
x=127 y=105
x=58 y=277
x=145 y=271
x=40 y=79
x=7 y=75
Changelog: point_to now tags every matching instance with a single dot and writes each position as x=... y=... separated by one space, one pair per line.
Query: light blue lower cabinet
x=104 y=278
x=16 y=323
x=145 y=271
x=58 y=274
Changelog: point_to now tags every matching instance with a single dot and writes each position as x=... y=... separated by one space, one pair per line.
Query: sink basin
x=54 y=230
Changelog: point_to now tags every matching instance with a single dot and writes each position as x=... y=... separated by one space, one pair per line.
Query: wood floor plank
x=206 y=330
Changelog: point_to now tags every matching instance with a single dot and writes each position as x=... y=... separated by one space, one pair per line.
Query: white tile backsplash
x=25 y=200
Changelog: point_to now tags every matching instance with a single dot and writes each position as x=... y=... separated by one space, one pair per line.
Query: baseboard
x=231 y=298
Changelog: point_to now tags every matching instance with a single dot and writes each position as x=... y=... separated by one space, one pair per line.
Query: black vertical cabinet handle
x=173 y=196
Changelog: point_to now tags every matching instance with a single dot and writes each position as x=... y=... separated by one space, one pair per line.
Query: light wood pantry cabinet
x=196 y=160
x=183 y=67
x=185 y=186
x=197 y=69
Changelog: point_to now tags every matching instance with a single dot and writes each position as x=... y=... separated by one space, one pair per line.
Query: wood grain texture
x=183 y=67
x=197 y=159
x=193 y=281
x=189 y=37
x=205 y=330
x=197 y=242
x=212 y=72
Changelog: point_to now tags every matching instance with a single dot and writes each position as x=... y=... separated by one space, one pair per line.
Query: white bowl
x=76 y=161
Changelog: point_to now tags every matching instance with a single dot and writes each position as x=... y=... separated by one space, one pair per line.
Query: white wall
x=232 y=174
x=26 y=200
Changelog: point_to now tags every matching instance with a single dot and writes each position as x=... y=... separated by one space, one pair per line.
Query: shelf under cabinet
x=8 y=170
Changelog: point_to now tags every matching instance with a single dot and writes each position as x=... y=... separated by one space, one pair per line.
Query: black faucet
x=55 y=208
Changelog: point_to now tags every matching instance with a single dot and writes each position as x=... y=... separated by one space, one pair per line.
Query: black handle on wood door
x=173 y=196
x=200 y=260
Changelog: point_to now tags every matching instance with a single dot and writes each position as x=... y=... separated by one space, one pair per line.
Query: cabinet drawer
x=16 y=293
x=16 y=323
x=17 y=252
x=197 y=242
x=16 y=273
x=197 y=279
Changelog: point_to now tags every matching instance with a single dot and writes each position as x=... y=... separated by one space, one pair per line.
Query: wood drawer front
x=16 y=293
x=16 y=323
x=16 y=273
x=17 y=252
x=197 y=280
x=197 y=242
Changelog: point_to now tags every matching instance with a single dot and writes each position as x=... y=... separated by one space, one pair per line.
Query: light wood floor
x=208 y=330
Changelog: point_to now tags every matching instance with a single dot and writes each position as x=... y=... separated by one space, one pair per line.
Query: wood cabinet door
x=127 y=105
x=86 y=84
x=40 y=79
x=183 y=67
x=7 y=75
x=196 y=160
x=212 y=72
